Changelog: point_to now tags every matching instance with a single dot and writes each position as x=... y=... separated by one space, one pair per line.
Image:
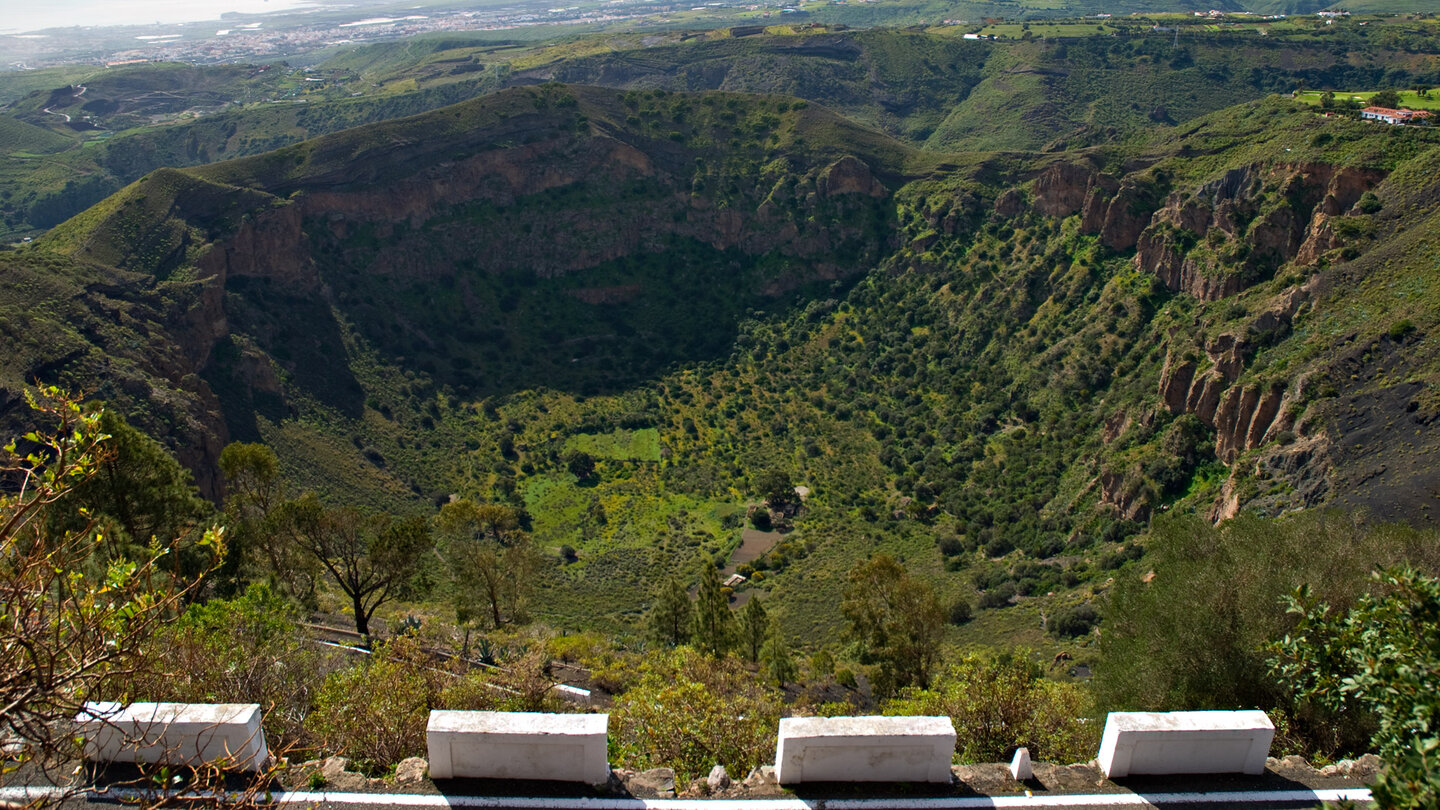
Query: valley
x=1040 y=334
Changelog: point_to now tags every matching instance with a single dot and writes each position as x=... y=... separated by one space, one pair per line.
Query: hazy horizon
x=69 y=13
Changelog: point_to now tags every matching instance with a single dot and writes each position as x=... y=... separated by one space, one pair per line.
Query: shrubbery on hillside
x=689 y=713
x=1195 y=635
x=1003 y=702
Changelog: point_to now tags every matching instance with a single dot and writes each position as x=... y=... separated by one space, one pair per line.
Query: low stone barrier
x=174 y=733
x=864 y=749
x=1185 y=742
x=518 y=745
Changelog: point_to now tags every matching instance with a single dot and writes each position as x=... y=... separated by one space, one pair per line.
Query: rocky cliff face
x=1237 y=230
x=1213 y=241
x=1200 y=380
x=1115 y=210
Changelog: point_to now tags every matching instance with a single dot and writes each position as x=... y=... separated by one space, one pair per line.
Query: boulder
x=659 y=781
x=761 y=776
x=849 y=175
x=1010 y=204
x=410 y=770
x=718 y=779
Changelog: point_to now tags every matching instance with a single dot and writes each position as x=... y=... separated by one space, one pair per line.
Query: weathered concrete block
x=518 y=745
x=1020 y=767
x=174 y=733
x=864 y=749
x=1185 y=742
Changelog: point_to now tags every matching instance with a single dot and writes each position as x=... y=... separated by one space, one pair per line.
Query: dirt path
x=754 y=544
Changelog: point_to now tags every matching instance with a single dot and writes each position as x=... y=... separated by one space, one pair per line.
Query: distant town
x=237 y=38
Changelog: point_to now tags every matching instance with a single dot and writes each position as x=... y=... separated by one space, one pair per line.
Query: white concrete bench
x=518 y=745
x=864 y=749
x=1185 y=742
x=174 y=733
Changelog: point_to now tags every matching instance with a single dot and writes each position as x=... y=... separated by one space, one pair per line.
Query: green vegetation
x=1373 y=658
x=520 y=373
x=1000 y=703
x=689 y=713
x=1408 y=99
x=1195 y=634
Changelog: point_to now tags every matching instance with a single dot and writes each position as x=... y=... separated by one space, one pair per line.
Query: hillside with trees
x=742 y=406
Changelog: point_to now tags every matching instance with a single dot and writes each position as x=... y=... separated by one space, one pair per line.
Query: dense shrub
x=376 y=712
x=244 y=650
x=1074 y=621
x=1193 y=636
x=690 y=713
x=960 y=611
x=998 y=596
x=1003 y=702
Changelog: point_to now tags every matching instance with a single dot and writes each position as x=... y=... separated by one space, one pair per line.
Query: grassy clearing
x=1068 y=28
x=1408 y=98
x=620 y=445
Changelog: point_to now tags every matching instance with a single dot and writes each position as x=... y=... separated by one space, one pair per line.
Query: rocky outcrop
x=1184 y=389
x=1243 y=417
x=849 y=175
x=1010 y=203
x=1238 y=229
x=1319 y=240
x=1060 y=190
x=1116 y=211
x=1175 y=380
x=1126 y=216
x=1123 y=492
x=271 y=245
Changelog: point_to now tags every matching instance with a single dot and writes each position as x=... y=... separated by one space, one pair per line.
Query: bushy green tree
x=254 y=491
x=1382 y=656
x=776 y=488
x=775 y=655
x=1386 y=98
x=139 y=494
x=492 y=560
x=370 y=557
x=897 y=620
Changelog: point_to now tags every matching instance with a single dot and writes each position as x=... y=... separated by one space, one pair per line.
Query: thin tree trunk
x=362 y=619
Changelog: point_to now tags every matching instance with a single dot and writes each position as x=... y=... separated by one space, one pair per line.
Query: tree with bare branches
x=72 y=617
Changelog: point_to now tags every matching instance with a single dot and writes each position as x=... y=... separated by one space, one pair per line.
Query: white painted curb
x=305 y=797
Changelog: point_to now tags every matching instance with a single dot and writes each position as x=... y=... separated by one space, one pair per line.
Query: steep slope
x=115 y=336
x=563 y=237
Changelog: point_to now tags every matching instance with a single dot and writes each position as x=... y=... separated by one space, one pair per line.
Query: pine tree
x=668 y=621
x=713 y=630
x=775 y=654
x=754 y=624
